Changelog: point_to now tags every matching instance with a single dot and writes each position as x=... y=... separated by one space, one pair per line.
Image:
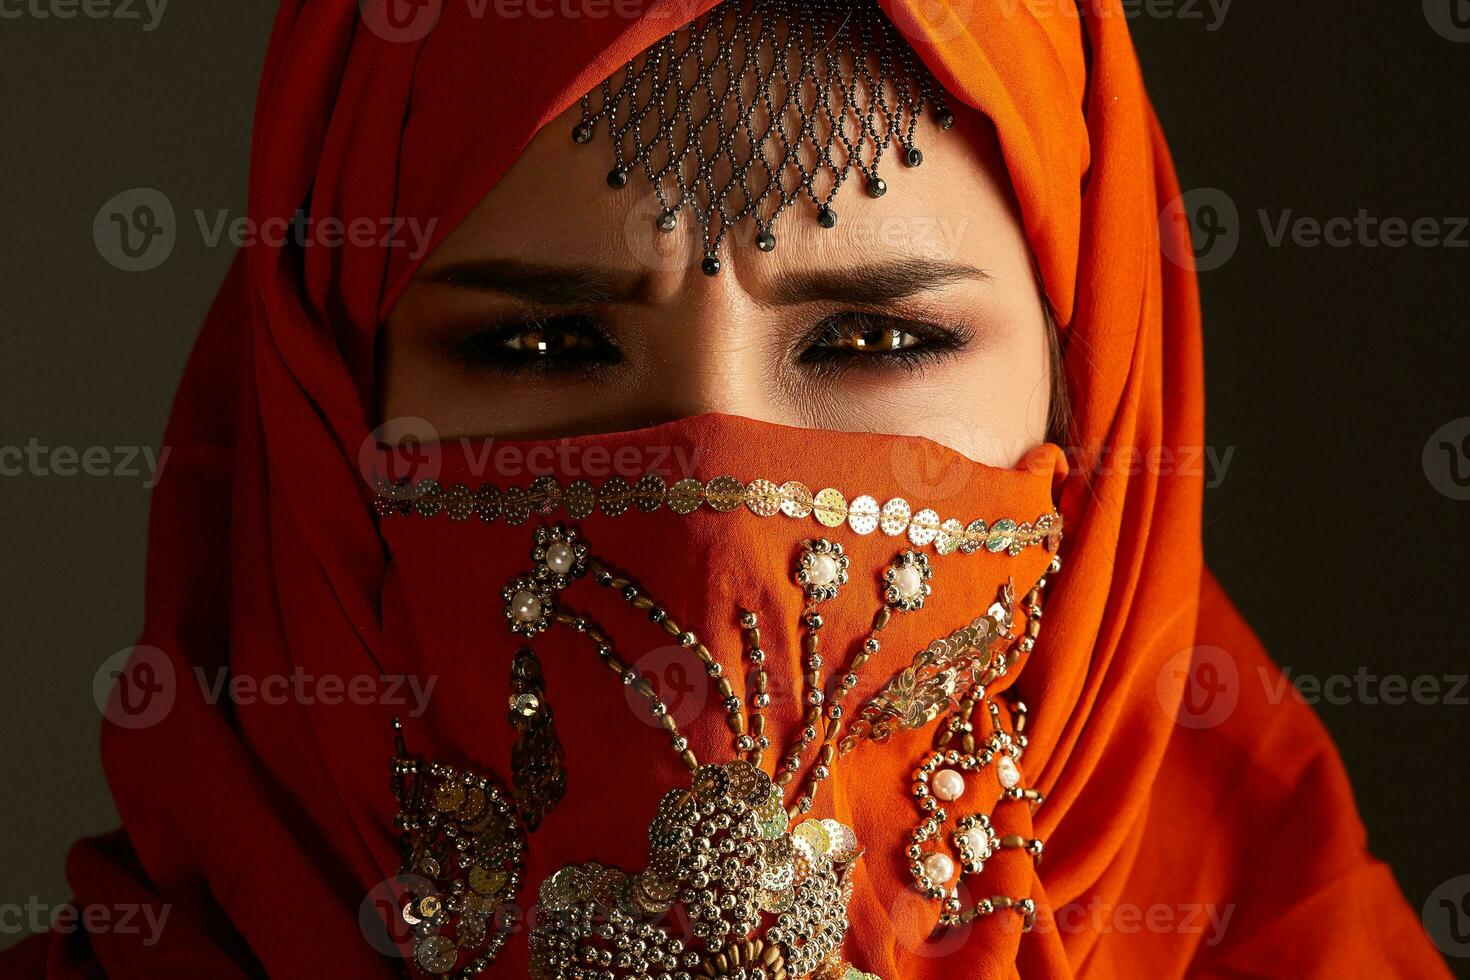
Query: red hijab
x=260 y=828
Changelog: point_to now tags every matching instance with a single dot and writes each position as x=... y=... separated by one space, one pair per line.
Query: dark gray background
x=1328 y=368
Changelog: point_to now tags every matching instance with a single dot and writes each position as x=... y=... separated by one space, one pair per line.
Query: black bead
x=582 y=133
x=946 y=118
x=765 y=241
x=667 y=220
x=877 y=186
x=913 y=157
x=617 y=177
x=710 y=266
x=826 y=217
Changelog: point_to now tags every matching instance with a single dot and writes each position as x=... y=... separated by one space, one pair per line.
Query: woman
x=783 y=463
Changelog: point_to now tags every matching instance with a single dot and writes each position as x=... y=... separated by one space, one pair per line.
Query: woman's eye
x=864 y=340
x=874 y=340
x=556 y=344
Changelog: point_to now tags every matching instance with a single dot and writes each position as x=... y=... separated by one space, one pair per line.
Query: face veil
x=263 y=826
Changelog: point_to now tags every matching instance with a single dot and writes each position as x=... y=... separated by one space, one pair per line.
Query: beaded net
x=761 y=104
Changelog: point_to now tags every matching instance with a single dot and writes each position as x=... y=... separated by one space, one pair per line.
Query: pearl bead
x=822 y=570
x=939 y=867
x=979 y=843
x=526 y=606
x=1009 y=775
x=948 y=784
x=560 y=558
x=908 y=581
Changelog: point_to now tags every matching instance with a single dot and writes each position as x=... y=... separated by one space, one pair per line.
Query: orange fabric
x=263 y=826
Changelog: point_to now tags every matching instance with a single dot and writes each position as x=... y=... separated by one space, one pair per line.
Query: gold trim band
x=725 y=494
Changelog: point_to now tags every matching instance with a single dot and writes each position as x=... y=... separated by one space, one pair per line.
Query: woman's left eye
x=875 y=340
x=872 y=340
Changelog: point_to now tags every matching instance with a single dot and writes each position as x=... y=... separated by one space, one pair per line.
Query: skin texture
x=940 y=264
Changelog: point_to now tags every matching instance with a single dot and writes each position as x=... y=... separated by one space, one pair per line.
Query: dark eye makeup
x=572 y=344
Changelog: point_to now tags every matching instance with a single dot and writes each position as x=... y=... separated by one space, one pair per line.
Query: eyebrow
x=552 y=285
x=590 y=285
x=873 y=283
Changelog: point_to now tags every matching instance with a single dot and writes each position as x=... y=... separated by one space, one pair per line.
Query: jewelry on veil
x=763 y=886
x=762 y=103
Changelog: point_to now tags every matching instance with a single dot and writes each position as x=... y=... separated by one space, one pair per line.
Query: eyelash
x=486 y=349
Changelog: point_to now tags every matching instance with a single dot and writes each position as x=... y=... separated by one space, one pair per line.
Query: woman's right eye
x=560 y=344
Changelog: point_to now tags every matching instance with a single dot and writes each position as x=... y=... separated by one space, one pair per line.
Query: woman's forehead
x=554 y=208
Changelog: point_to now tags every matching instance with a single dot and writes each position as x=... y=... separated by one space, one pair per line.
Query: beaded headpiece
x=760 y=104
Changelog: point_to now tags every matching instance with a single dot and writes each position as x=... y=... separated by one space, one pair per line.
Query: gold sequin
x=951 y=533
x=648 y=493
x=686 y=496
x=796 y=499
x=616 y=496
x=862 y=515
x=487 y=502
x=830 y=507
x=895 y=517
x=725 y=493
x=923 y=527
x=763 y=498
x=580 y=499
x=515 y=505
x=545 y=495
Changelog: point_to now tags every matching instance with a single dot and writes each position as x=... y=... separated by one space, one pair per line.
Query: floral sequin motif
x=764 y=902
x=462 y=845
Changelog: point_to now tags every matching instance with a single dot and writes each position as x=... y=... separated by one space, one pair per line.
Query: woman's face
x=556 y=308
